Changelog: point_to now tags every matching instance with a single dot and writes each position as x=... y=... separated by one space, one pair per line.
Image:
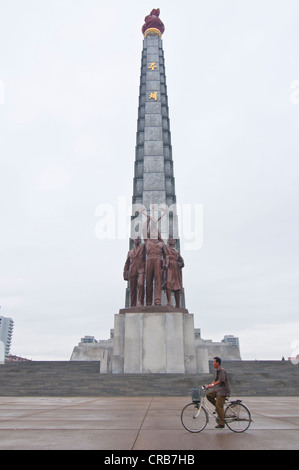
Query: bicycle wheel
x=237 y=417
x=194 y=417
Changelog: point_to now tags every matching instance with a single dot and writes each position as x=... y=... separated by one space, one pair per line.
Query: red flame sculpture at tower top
x=153 y=22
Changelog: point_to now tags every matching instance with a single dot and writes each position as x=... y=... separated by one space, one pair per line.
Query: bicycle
x=195 y=415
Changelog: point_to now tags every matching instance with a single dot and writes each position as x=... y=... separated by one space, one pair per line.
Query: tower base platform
x=156 y=340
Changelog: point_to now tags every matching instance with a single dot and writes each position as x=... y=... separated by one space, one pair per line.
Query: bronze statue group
x=155 y=266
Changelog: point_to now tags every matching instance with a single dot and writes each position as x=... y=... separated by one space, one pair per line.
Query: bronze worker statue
x=156 y=252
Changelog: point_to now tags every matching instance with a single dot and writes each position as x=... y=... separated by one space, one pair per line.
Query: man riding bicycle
x=217 y=397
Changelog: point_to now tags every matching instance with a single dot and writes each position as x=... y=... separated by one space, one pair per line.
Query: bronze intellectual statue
x=174 y=265
x=134 y=270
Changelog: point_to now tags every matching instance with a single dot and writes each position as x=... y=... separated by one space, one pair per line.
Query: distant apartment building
x=231 y=339
x=13 y=358
x=88 y=339
x=6 y=329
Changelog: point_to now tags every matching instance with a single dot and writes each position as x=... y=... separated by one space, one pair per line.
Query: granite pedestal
x=154 y=340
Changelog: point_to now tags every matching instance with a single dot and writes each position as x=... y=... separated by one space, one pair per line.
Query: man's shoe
x=219 y=426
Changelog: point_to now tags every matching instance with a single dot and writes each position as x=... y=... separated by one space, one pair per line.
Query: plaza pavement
x=143 y=423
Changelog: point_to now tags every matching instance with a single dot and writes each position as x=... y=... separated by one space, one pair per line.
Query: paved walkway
x=127 y=424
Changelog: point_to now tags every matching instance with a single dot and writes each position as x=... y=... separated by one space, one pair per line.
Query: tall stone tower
x=154 y=183
x=154 y=333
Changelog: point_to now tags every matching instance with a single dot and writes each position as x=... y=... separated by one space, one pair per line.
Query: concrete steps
x=263 y=378
x=80 y=378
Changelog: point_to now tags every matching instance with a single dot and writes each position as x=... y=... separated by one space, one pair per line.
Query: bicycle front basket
x=195 y=395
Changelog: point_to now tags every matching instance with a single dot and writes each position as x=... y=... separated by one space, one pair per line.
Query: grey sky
x=70 y=74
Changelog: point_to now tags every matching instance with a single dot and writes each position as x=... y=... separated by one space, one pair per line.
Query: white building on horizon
x=6 y=329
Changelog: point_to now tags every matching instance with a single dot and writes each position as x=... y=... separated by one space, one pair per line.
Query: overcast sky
x=69 y=84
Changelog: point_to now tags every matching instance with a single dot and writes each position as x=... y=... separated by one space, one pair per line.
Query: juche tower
x=154 y=183
x=154 y=335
